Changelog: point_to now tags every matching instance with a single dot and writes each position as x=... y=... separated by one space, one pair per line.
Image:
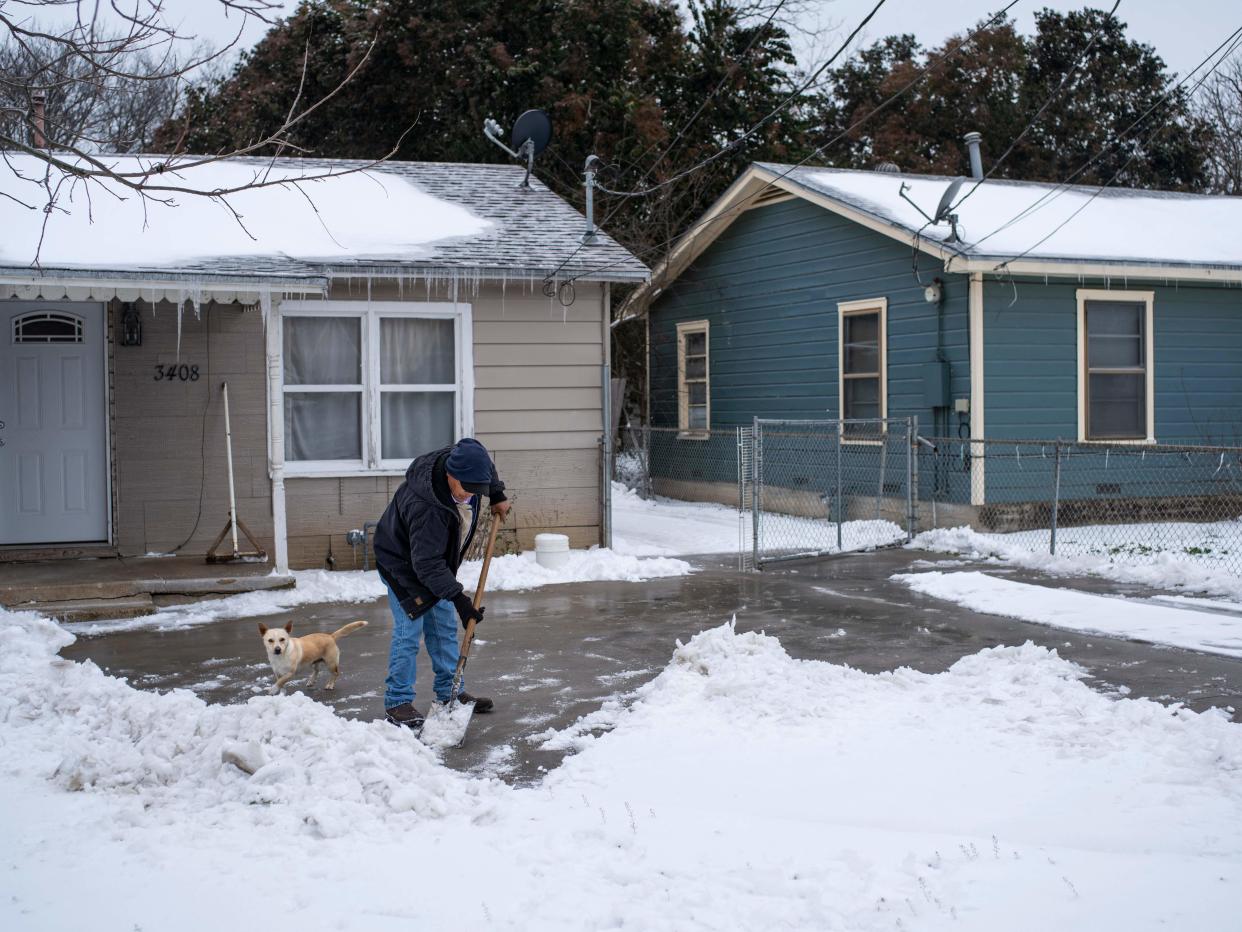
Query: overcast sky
x=1182 y=32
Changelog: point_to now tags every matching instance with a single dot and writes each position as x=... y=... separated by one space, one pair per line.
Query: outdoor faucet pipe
x=228 y=449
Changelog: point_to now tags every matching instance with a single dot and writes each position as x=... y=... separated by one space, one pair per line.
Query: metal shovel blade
x=446 y=724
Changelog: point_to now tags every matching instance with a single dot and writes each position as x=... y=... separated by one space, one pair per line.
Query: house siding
x=537 y=408
x=770 y=285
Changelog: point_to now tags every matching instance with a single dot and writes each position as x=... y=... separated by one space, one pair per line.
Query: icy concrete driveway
x=550 y=655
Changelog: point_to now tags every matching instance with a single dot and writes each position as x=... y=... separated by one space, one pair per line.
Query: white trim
x=1148 y=299
x=107 y=416
x=685 y=431
x=369 y=313
x=848 y=309
x=978 y=479
x=276 y=434
x=1070 y=268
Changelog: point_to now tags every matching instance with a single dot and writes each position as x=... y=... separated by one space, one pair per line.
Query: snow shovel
x=446 y=724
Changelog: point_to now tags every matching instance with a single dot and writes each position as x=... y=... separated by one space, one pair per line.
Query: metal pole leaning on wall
x=879 y=492
x=912 y=475
x=756 y=479
x=606 y=455
x=1056 y=498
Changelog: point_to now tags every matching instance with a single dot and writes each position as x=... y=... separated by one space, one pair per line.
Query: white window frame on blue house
x=370 y=314
x=1103 y=295
x=684 y=430
x=852 y=309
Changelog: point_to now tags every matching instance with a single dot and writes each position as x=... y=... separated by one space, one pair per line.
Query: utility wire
x=883 y=105
x=731 y=146
x=1236 y=39
x=1233 y=40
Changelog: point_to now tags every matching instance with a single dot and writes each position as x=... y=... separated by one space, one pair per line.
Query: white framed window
x=1116 y=375
x=862 y=364
x=369 y=386
x=694 y=406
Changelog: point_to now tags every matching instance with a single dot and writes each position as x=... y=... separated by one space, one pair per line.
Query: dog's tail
x=348 y=629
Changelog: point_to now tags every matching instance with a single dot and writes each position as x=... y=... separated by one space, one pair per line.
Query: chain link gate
x=819 y=488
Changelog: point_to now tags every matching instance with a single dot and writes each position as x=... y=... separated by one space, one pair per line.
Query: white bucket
x=552 y=550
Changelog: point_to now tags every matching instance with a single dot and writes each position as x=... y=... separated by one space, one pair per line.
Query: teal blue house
x=1028 y=311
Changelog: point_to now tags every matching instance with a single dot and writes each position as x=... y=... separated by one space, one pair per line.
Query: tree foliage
x=1078 y=83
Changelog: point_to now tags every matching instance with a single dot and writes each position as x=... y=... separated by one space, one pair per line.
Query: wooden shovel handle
x=468 y=638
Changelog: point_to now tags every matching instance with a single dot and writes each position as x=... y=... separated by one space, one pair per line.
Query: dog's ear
x=262 y=629
x=289 y=628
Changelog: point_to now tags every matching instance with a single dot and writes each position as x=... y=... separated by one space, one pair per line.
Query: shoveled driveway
x=550 y=655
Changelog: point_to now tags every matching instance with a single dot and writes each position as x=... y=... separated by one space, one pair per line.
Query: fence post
x=646 y=455
x=756 y=488
x=1056 y=498
x=879 y=492
x=912 y=475
x=840 y=501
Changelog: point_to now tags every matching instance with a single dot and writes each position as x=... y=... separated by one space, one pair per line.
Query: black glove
x=466 y=610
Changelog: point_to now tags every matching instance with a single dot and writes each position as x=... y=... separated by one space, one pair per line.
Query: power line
x=1233 y=40
x=921 y=73
x=731 y=146
x=1236 y=39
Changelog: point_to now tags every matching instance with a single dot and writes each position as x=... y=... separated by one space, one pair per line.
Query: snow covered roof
x=1004 y=221
x=415 y=218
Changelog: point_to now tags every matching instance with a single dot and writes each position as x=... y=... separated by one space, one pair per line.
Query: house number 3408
x=181 y=373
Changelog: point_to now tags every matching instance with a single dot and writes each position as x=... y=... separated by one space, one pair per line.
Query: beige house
x=358 y=321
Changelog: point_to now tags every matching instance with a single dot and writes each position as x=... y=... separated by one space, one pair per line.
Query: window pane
x=414 y=423
x=417 y=351
x=1114 y=335
x=323 y=350
x=696 y=367
x=862 y=398
x=1118 y=406
x=696 y=344
x=698 y=393
x=862 y=343
x=323 y=425
x=697 y=418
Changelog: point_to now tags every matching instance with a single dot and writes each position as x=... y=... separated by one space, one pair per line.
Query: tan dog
x=286 y=653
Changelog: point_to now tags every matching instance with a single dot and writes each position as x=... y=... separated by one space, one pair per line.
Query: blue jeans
x=439 y=624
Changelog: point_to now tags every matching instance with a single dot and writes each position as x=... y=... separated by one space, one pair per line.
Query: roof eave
x=1095 y=268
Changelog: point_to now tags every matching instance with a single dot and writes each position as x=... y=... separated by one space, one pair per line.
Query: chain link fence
x=1131 y=503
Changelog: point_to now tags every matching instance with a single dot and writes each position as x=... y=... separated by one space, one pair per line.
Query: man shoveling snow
x=419 y=545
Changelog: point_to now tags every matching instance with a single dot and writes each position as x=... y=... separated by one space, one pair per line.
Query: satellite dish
x=946 y=199
x=533 y=126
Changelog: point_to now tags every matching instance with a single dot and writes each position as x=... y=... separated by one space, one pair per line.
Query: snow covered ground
x=1001 y=794
x=510 y=572
x=1216 y=631
x=1166 y=556
x=666 y=527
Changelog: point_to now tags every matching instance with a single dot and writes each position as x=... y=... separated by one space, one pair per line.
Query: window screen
x=323 y=358
x=1116 y=370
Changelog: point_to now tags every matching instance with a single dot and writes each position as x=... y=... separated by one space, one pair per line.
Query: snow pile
x=667 y=527
x=741 y=789
x=371 y=214
x=1177 y=567
x=510 y=572
x=1214 y=632
x=72 y=725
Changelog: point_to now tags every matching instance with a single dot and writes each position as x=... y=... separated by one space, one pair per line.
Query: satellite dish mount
x=531 y=134
x=943 y=209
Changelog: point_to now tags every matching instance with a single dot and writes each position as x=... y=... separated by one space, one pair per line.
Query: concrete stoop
x=126 y=598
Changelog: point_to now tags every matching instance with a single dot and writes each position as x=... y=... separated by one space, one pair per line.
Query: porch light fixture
x=932 y=293
x=131 y=325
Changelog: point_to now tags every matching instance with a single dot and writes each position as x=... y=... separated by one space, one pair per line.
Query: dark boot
x=481 y=703
x=405 y=714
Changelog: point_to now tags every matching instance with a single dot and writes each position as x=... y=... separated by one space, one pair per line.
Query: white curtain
x=414 y=423
x=323 y=350
x=417 y=351
x=323 y=425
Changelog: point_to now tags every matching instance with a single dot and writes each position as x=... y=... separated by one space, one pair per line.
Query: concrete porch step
x=91 y=609
x=66 y=590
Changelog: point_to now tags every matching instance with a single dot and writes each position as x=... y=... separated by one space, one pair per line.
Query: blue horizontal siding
x=769 y=287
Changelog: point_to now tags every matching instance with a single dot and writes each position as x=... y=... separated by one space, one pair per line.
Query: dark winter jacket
x=416 y=540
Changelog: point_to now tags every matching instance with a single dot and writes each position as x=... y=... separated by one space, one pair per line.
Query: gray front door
x=54 y=458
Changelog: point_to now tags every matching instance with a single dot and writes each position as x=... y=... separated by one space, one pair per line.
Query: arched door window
x=47 y=327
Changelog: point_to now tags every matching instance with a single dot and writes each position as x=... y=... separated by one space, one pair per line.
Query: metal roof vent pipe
x=976 y=160
x=38 y=120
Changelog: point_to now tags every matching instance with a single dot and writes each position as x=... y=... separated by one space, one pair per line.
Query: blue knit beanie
x=470 y=465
